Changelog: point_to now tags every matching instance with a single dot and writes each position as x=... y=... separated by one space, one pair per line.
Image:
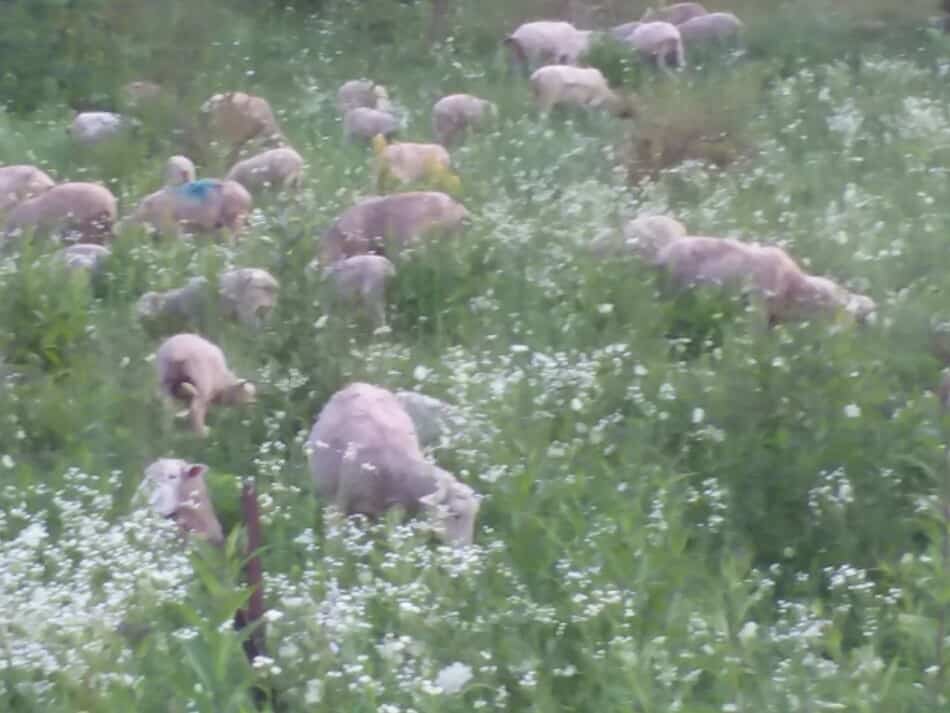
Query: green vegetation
x=682 y=511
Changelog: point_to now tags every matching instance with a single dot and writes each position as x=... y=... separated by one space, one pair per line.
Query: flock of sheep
x=365 y=451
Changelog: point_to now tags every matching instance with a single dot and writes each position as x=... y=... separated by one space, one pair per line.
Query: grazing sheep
x=238 y=118
x=363 y=123
x=659 y=43
x=179 y=492
x=714 y=27
x=192 y=369
x=248 y=294
x=430 y=416
x=81 y=212
x=675 y=14
x=647 y=236
x=380 y=224
x=280 y=168
x=365 y=457
x=544 y=42
x=558 y=84
x=361 y=280
x=408 y=162
x=361 y=93
x=622 y=32
x=176 y=309
x=83 y=256
x=17 y=183
x=93 y=127
x=454 y=114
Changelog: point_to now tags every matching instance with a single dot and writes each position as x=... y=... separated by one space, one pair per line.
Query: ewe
x=364 y=456
x=81 y=212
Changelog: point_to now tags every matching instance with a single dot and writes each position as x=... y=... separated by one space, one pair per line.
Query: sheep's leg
x=198 y=410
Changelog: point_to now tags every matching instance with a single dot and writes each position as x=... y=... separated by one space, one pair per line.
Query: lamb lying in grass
x=364 y=457
x=93 y=127
x=179 y=492
x=193 y=370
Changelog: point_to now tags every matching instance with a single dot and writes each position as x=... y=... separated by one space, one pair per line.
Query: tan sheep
x=248 y=294
x=363 y=123
x=675 y=14
x=361 y=281
x=280 y=169
x=659 y=43
x=384 y=224
x=179 y=492
x=534 y=44
x=454 y=114
x=193 y=370
x=647 y=236
x=365 y=458
x=714 y=27
x=407 y=162
x=17 y=183
x=238 y=118
x=80 y=212
x=558 y=84
x=361 y=93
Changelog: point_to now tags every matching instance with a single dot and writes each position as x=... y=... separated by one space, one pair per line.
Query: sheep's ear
x=196 y=470
x=248 y=387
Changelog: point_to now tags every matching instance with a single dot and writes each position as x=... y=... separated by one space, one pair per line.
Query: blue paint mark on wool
x=198 y=190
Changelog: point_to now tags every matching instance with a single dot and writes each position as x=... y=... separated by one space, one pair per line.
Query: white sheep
x=194 y=370
x=547 y=42
x=363 y=123
x=407 y=162
x=361 y=93
x=280 y=168
x=81 y=212
x=431 y=417
x=179 y=492
x=365 y=458
x=361 y=280
x=17 y=183
x=558 y=84
x=454 y=114
x=248 y=294
x=93 y=127
x=714 y=27
x=675 y=14
x=83 y=256
x=659 y=43
x=238 y=118
x=384 y=224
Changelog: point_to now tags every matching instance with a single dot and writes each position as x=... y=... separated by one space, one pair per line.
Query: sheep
x=430 y=416
x=238 y=118
x=93 y=127
x=563 y=84
x=179 y=492
x=544 y=42
x=361 y=93
x=455 y=113
x=364 y=456
x=83 y=256
x=363 y=123
x=246 y=295
x=714 y=27
x=361 y=280
x=622 y=32
x=645 y=236
x=409 y=162
x=380 y=224
x=17 y=183
x=660 y=43
x=194 y=370
x=675 y=14
x=280 y=168
x=81 y=212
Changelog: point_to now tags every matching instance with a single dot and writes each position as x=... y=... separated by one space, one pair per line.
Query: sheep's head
x=452 y=508
x=242 y=392
x=179 y=170
x=179 y=492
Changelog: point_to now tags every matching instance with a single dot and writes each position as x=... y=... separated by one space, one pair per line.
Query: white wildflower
x=852 y=411
x=453 y=677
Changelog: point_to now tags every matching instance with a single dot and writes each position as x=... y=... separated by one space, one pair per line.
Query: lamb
x=174 y=309
x=361 y=280
x=17 y=183
x=93 y=127
x=675 y=14
x=192 y=369
x=280 y=168
x=659 y=43
x=563 y=84
x=363 y=123
x=238 y=118
x=82 y=212
x=714 y=27
x=248 y=294
x=454 y=114
x=380 y=224
x=364 y=456
x=83 y=256
x=409 y=162
x=361 y=93
x=179 y=492
x=534 y=44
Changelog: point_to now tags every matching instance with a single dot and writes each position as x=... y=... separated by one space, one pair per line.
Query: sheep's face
x=452 y=509
x=243 y=392
x=170 y=479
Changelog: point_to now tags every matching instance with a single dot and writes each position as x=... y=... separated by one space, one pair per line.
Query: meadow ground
x=682 y=511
